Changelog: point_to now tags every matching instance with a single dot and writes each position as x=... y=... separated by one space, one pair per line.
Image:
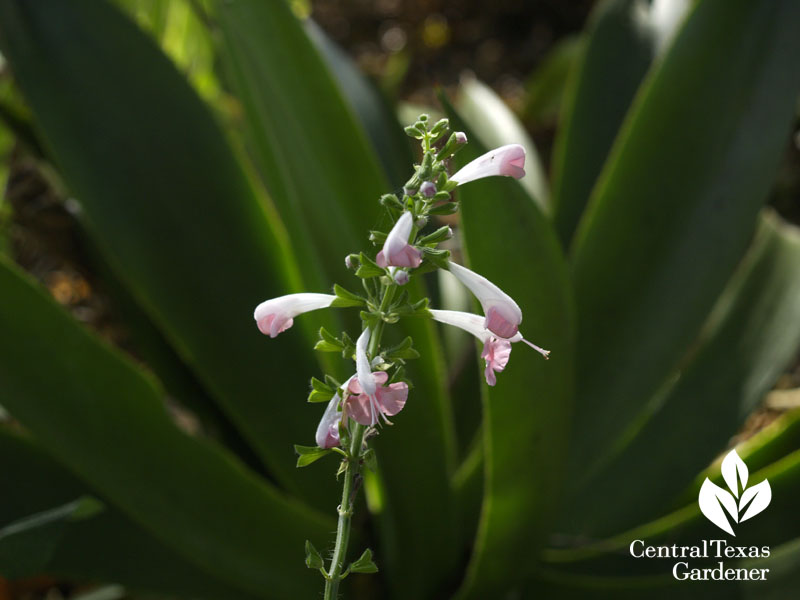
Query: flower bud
x=401 y=277
x=428 y=189
x=454 y=143
x=351 y=261
x=426 y=168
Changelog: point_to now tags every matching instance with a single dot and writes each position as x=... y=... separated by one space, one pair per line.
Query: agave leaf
x=527 y=413
x=750 y=337
x=105 y=420
x=676 y=208
x=105 y=547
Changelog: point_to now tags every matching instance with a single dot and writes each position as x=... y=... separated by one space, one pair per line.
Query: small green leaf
x=319 y=396
x=332 y=382
x=320 y=385
x=313 y=558
x=369 y=268
x=403 y=350
x=364 y=564
x=330 y=340
x=345 y=298
x=323 y=346
x=309 y=454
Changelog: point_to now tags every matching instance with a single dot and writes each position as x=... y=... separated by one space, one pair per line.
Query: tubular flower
x=328 y=428
x=503 y=315
x=496 y=351
x=397 y=252
x=277 y=314
x=369 y=397
x=506 y=160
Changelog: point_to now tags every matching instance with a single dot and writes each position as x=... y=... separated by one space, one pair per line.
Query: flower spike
x=506 y=160
x=503 y=315
x=277 y=314
x=397 y=252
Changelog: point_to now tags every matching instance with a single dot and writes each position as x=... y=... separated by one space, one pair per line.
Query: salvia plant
x=358 y=407
x=199 y=157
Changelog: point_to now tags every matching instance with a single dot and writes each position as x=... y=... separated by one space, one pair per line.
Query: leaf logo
x=717 y=504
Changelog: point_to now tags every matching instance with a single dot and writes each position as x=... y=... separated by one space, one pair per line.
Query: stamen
x=542 y=351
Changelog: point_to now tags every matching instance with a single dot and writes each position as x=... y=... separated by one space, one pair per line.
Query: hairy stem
x=345 y=514
x=352 y=471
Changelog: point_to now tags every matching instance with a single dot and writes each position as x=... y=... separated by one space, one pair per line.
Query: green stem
x=351 y=471
x=345 y=514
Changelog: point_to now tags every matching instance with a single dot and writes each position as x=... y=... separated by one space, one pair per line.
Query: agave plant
x=668 y=295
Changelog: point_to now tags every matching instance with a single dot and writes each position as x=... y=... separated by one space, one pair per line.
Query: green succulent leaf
x=108 y=546
x=96 y=410
x=527 y=412
x=647 y=272
x=751 y=336
x=171 y=209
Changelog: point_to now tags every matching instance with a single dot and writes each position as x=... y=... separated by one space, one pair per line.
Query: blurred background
x=523 y=53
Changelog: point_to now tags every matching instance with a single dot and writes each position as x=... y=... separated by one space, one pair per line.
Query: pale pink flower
x=496 y=351
x=277 y=314
x=387 y=400
x=503 y=315
x=328 y=429
x=506 y=160
x=369 y=397
x=397 y=252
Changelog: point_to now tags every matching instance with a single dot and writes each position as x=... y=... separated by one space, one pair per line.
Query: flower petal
x=469 y=322
x=506 y=160
x=503 y=315
x=363 y=369
x=397 y=252
x=496 y=353
x=327 y=435
x=359 y=409
x=500 y=322
x=392 y=398
x=277 y=314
